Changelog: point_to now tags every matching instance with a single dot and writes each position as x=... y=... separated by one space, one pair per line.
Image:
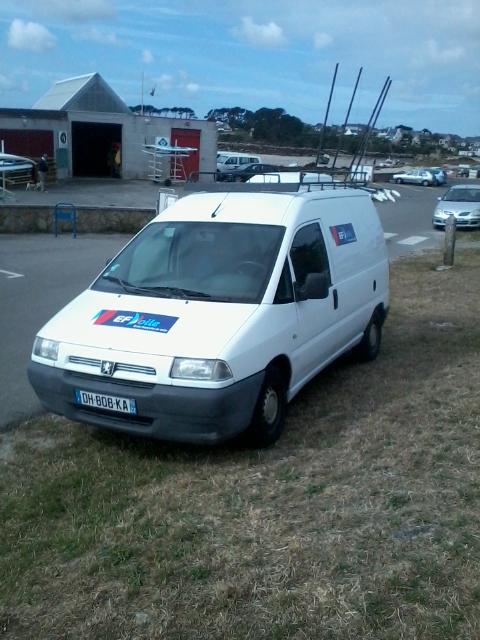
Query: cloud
x=166 y=82
x=322 y=40
x=95 y=35
x=31 y=36
x=192 y=88
x=5 y=83
x=78 y=10
x=471 y=91
x=442 y=54
x=259 y=35
x=147 y=57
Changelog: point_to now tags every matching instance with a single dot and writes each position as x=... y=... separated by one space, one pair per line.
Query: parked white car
x=217 y=313
x=229 y=160
x=424 y=177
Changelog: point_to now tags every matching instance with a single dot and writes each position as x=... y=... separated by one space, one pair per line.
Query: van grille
x=119 y=366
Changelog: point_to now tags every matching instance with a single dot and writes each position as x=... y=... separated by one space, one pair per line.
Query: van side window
x=232 y=160
x=308 y=253
x=284 y=293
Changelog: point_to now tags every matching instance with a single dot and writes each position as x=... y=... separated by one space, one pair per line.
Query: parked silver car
x=416 y=176
x=440 y=175
x=462 y=201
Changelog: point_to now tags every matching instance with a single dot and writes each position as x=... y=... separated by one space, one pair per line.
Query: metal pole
x=3 y=174
x=320 y=142
x=346 y=118
x=365 y=146
x=142 y=93
x=370 y=121
x=450 y=232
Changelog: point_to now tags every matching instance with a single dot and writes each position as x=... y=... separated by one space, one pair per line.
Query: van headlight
x=47 y=349
x=440 y=213
x=475 y=213
x=196 y=369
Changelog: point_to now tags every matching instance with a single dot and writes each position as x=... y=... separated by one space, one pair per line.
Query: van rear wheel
x=269 y=413
x=369 y=346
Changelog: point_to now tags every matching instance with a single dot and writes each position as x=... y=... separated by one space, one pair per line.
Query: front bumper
x=470 y=223
x=180 y=414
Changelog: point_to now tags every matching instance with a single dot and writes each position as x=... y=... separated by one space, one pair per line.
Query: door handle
x=335 y=299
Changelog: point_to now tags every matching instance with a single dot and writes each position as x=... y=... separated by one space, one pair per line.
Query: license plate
x=110 y=403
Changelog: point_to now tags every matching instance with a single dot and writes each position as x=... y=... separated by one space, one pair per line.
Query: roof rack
x=207 y=181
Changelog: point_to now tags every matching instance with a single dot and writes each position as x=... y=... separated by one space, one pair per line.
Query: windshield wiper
x=161 y=292
x=131 y=288
x=182 y=293
x=121 y=282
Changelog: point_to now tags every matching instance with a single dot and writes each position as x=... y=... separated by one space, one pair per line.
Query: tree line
x=277 y=127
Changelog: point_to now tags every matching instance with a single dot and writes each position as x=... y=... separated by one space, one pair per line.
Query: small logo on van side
x=134 y=320
x=343 y=234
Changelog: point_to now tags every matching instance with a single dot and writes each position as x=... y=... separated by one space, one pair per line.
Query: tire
x=399 y=181
x=425 y=183
x=369 y=346
x=269 y=413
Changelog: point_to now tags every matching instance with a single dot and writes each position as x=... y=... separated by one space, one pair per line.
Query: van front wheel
x=270 y=410
x=369 y=346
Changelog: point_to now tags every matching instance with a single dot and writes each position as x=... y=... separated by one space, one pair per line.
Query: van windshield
x=211 y=261
x=222 y=158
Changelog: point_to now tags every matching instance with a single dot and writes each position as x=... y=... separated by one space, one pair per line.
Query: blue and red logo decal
x=343 y=234
x=134 y=320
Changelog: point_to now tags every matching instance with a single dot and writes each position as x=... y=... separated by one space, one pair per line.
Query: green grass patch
x=362 y=522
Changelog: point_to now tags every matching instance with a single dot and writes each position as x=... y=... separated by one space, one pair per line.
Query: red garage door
x=29 y=143
x=187 y=138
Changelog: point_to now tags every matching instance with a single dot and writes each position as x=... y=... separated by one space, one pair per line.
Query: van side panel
x=360 y=268
x=358 y=262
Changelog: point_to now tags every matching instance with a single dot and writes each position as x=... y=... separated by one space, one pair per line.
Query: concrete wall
x=27 y=122
x=39 y=219
x=136 y=130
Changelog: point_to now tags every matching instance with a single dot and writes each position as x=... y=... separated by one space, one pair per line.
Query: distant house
x=445 y=140
x=419 y=137
x=355 y=128
x=391 y=134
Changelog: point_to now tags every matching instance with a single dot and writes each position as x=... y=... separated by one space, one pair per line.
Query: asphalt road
x=40 y=274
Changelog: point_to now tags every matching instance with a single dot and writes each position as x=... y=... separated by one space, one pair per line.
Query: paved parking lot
x=39 y=274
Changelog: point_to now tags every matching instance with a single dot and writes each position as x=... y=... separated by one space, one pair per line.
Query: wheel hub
x=270 y=406
x=373 y=337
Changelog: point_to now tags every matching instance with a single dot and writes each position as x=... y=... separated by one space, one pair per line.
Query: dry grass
x=363 y=522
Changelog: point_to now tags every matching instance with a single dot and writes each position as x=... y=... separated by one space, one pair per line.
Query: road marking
x=390 y=235
x=10 y=274
x=412 y=240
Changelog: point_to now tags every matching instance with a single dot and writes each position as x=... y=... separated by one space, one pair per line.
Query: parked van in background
x=228 y=160
x=217 y=313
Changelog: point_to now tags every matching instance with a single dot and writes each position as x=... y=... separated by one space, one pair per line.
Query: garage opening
x=96 y=150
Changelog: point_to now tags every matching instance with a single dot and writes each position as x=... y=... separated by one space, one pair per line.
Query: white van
x=228 y=160
x=217 y=313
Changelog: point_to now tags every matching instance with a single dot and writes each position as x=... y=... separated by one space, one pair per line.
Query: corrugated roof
x=83 y=93
x=62 y=92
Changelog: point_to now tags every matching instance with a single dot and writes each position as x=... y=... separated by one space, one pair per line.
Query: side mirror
x=438 y=198
x=108 y=262
x=315 y=288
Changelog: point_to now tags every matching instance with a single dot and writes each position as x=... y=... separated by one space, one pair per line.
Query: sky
x=208 y=54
